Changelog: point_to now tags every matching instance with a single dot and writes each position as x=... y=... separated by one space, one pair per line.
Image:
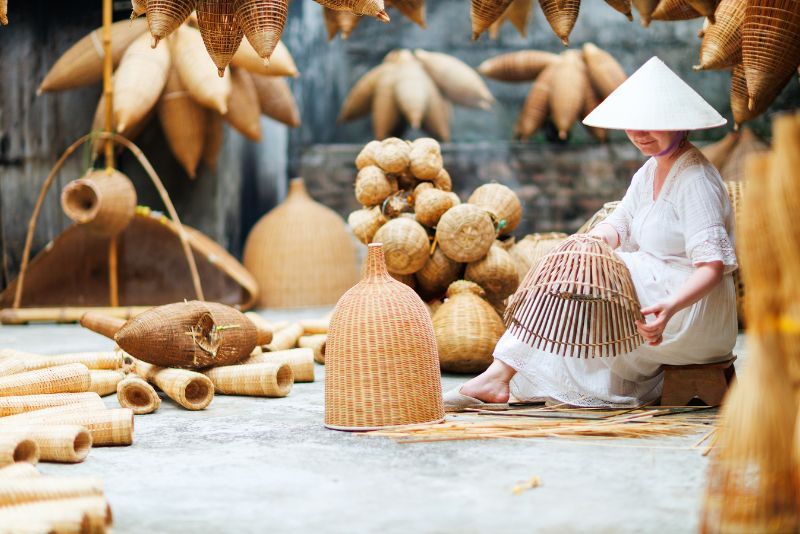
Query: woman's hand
x=653 y=331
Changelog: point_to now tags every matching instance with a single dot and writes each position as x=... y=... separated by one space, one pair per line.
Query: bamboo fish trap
x=262 y=22
x=372 y=8
x=135 y=393
x=28 y=403
x=105 y=202
x=270 y=379
x=601 y=215
x=192 y=390
x=165 y=16
x=301 y=362
x=104 y=382
x=221 y=30
x=107 y=427
x=561 y=15
x=521 y=66
x=70 y=378
x=579 y=302
x=25 y=490
x=530 y=250
x=56 y=442
x=722 y=41
x=19 y=470
x=18 y=448
x=484 y=13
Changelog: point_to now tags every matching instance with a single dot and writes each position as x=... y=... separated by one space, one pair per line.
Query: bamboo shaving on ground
x=519 y=489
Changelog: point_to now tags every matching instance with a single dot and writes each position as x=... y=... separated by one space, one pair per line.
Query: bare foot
x=491 y=385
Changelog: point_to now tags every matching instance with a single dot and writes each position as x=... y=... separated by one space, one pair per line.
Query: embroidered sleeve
x=712 y=244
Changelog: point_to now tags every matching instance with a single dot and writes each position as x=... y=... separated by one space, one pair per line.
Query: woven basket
x=197 y=72
x=189 y=334
x=561 y=15
x=272 y=379
x=413 y=9
x=58 y=443
x=405 y=245
x=191 y=390
x=70 y=378
x=104 y=203
x=733 y=170
x=410 y=91
x=336 y=21
x=166 y=16
x=645 y=9
x=372 y=8
x=28 y=403
x=430 y=204
x=367 y=156
x=484 y=13
x=382 y=367
x=136 y=394
x=437 y=118
x=365 y=222
x=437 y=274
x=82 y=64
x=465 y=233
x=358 y=102
x=276 y=99
x=301 y=253
x=770 y=46
x=496 y=273
x=521 y=66
x=281 y=62
x=443 y=182
x=138 y=82
x=17 y=448
x=220 y=29
x=722 y=41
x=92 y=360
x=530 y=250
x=107 y=427
x=591 y=292
x=601 y=215
x=104 y=382
x=77 y=514
x=12 y=366
x=317 y=343
x=138 y=8
x=605 y=73
x=501 y=202
x=623 y=6
x=458 y=81
x=537 y=104
x=740 y=99
x=183 y=122
x=18 y=470
x=373 y=186
x=518 y=13
x=301 y=361
x=262 y=22
x=467 y=329
x=386 y=114
x=393 y=155
x=22 y=491
x=717 y=153
x=675 y=10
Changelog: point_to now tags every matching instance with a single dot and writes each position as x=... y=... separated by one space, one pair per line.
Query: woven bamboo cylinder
x=135 y=393
x=57 y=443
x=26 y=490
x=382 y=366
x=12 y=366
x=192 y=390
x=413 y=9
x=72 y=515
x=385 y=111
x=17 y=448
x=301 y=362
x=315 y=326
x=285 y=338
x=197 y=71
x=138 y=82
x=537 y=104
x=520 y=66
x=675 y=10
x=405 y=245
x=645 y=9
x=101 y=323
x=281 y=62
x=244 y=106
x=501 y=202
x=770 y=46
x=104 y=202
x=465 y=233
x=373 y=186
x=92 y=360
x=189 y=334
x=276 y=100
x=590 y=293
x=18 y=470
x=262 y=22
x=530 y=250
x=372 y=8
x=733 y=170
x=458 y=81
x=82 y=64
x=600 y=216
x=365 y=222
x=411 y=92
x=467 y=329
x=70 y=378
x=623 y=6
x=496 y=273
x=425 y=158
x=184 y=123
x=484 y=13
x=220 y=29
x=315 y=342
x=605 y=73
x=722 y=41
x=561 y=15
x=166 y=16
x=300 y=253
x=717 y=153
x=104 y=382
x=28 y=403
x=273 y=379
x=430 y=204
x=437 y=274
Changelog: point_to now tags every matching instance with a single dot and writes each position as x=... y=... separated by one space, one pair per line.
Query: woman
x=673 y=229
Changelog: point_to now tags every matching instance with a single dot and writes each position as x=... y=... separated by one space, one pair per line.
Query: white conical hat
x=654 y=98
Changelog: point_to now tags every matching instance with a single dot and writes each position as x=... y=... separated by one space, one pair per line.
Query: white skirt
x=702 y=333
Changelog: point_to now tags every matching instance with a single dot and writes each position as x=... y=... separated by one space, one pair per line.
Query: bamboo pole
x=63 y=315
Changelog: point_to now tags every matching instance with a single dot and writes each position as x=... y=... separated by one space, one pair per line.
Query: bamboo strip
x=300 y=360
x=135 y=393
x=104 y=382
x=70 y=378
x=19 y=470
x=107 y=427
x=192 y=390
x=317 y=343
x=18 y=448
x=27 y=490
x=286 y=338
x=27 y=403
x=57 y=443
x=271 y=379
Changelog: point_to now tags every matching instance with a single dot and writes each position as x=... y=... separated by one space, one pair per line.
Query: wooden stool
x=707 y=383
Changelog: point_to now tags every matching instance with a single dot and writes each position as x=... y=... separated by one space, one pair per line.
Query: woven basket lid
x=381 y=361
x=301 y=253
x=580 y=302
x=654 y=98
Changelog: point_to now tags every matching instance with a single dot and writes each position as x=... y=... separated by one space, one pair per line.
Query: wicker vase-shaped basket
x=465 y=233
x=166 y=16
x=675 y=10
x=645 y=9
x=722 y=41
x=561 y=15
x=373 y=186
x=276 y=99
x=358 y=102
x=521 y=66
x=484 y=13
x=365 y=222
x=190 y=334
x=500 y=201
x=136 y=394
x=281 y=62
x=579 y=302
x=430 y=204
x=183 y=122
x=244 y=107
x=437 y=274
x=467 y=329
x=770 y=46
x=717 y=153
x=623 y=6
x=405 y=245
x=537 y=103
x=382 y=366
x=197 y=70
x=413 y=9
x=496 y=273
x=82 y=64
x=220 y=29
x=605 y=73
x=262 y=22
x=458 y=81
x=733 y=170
x=105 y=203
x=301 y=253
x=410 y=90
x=601 y=215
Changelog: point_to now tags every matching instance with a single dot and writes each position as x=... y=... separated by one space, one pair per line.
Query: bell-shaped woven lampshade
x=301 y=253
x=381 y=361
x=589 y=290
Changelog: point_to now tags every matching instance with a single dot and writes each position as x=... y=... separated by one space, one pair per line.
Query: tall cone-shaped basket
x=301 y=253
x=382 y=365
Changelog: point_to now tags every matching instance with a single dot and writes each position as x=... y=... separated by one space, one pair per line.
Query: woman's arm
x=701 y=282
x=607 y=233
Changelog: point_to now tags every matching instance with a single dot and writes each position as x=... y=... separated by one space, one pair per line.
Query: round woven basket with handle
x=502 y=202
x=465 y=233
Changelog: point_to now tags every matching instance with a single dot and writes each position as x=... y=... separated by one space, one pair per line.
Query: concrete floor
x=257 y=465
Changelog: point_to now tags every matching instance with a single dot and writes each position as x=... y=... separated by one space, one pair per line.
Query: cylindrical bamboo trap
x=315 y=326
x=484 y=13
x=537 y=104
x=561 y=15
x=459 y=82
x=276 y=100
x=285 y=338
x=28 y=403
x=272 y=379
x=73 y=515
x=104 y=202
x=244 y=111
x=107 y=427
x=108 y=360
x=410 y=92
x=17 y=447
x=12 y=366
x=103 y=324
x=57 y=443
x=19 y=470
x=405 y=243
x=605 y=72
x=264 y=329
x=104 y=382
x=281 y=62
x=192 y=390
x=465 y=233
x=315 y=342
x=568 y=91
x=26 y=490
x=521 y=66
x=300 y=360
x=70 y=378
x=220 y=29
x=135 y=393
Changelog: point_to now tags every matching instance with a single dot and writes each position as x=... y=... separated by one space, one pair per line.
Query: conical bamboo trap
x=579 y=302
x=518 y=13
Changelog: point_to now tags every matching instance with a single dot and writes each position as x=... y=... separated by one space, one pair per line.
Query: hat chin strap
x=677 y=140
